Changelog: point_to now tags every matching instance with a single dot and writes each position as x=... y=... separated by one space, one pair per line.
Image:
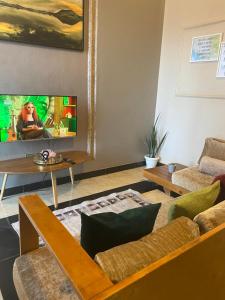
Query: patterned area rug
x=115 y=202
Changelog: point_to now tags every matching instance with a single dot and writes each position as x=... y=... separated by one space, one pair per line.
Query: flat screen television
x=30 y=117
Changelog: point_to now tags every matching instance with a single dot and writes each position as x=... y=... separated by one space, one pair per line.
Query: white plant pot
x=151 y=162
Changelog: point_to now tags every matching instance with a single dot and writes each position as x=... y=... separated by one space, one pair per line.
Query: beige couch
x=211 y=164
x=137 y=270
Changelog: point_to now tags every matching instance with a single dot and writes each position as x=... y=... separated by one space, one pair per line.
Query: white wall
x=189 y=120
x=129 y=41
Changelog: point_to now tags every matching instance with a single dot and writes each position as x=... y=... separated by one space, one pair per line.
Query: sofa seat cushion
x=37 y=275
x=211 y=218
x=191 y=204
x=191 y=178
x=125 y=260
x=157 y=196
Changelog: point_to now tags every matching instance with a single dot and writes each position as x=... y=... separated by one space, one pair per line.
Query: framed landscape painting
x=52 y=23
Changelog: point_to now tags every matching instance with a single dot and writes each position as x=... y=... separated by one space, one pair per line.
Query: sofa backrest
x=195 y=271
x=124 y=260
x=214 y=148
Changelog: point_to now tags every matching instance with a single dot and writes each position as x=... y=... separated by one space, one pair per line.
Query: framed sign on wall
x=205 y=48
x=221 y=63
x=197 y=78
x=52 y=23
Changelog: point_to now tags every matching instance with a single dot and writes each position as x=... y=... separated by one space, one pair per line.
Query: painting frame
x=48 y=23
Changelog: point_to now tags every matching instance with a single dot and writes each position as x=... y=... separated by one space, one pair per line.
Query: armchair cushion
x=103 y=231
x=125 y=260
x=193 y=203
x=191 y=179
x=212 y=166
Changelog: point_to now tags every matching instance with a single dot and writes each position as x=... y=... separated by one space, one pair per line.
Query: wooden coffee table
x=27 y=166
x=161 y=176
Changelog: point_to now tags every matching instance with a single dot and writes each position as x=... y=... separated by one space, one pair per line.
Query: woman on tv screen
x=28 y=117
x=29 y=126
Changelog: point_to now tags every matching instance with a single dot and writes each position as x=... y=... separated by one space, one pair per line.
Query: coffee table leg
x=166 y=191
x=71 y=175
x=3 y=186
x=54 y=191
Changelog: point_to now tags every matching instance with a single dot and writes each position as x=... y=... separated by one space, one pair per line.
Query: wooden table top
x=162 y=171
x=26 y=164
x=161 y=176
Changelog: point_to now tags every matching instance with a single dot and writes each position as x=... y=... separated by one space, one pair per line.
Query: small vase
x=151 y=162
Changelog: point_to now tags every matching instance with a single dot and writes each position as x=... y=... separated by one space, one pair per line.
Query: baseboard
x=47 y=183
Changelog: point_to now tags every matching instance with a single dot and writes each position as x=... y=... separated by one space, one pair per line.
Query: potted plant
x=154 y=144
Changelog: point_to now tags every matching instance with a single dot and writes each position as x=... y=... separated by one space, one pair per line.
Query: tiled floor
x=66 y=192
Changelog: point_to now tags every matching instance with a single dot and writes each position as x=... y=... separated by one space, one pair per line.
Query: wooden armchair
x=194 y=271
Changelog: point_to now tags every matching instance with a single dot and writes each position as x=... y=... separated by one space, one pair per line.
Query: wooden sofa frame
x=194 y=271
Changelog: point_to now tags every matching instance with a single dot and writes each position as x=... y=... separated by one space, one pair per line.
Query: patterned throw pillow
x=191 y=204
x=100 y=232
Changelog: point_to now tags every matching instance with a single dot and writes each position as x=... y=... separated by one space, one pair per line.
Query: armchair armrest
x=37 y=219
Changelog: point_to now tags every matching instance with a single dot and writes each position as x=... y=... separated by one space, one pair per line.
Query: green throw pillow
x=191 y=204
x=104 y=231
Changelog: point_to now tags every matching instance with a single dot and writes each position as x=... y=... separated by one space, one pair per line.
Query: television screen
x=37 y=117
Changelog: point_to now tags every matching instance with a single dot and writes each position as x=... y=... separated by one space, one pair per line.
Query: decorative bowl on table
x=40 y=160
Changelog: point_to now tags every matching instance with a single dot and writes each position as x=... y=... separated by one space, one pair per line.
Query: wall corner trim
x=92 y=75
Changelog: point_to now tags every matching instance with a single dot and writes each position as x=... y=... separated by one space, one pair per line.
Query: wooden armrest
x=37 y=219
